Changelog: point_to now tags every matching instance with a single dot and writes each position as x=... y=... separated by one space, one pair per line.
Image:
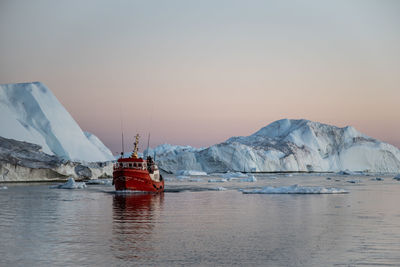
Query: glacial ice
x=33 y=114
x=70 y=184
x=294 y=189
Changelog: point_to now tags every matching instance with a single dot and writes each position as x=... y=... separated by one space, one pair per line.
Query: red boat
x=137 y=174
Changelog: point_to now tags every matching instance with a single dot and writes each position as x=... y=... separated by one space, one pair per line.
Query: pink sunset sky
x=198 y=72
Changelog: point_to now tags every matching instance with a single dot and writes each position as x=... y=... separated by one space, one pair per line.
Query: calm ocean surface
x=195 y=224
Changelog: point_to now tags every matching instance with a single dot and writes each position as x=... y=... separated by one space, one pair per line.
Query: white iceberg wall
x=33 y=114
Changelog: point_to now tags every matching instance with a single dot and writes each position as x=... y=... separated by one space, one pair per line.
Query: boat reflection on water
x=134 y=219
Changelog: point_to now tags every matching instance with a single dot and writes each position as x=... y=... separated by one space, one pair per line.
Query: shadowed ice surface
x=196 y=222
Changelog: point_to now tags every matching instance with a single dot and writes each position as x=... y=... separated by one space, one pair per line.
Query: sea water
x=196 y=222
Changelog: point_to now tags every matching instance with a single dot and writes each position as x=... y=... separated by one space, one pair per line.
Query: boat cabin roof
x=131 y=160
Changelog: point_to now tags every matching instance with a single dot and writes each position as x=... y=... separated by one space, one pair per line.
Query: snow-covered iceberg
x=295 y=189
x=287 y=145
x=31 y=113
x=71 y=184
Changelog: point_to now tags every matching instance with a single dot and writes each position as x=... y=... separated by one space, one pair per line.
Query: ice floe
x=294 y=189
x=100 y=181
x=397 y=177
x=251 y=179
x=182 y=177
x=191 y=173
x=3 y=187
x=220 y=188
x=217 y=180
x=234 y=175
x=353 y=181
x=70 y=184
x=377 y=179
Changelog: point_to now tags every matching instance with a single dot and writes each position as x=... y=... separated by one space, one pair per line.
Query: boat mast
x=136 y=146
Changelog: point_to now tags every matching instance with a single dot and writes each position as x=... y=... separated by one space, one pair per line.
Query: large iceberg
x=30 y=112
x=287 y=145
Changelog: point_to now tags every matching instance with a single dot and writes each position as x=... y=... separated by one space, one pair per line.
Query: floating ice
x=353 y=181
x=100 y=181
x=3 y=187
x=346 y=172
x=294 y=189
x=234 y=175
x=191 y=172
x=250 y=179
x=182 y=177
x=70 y=184
x=217 y=180
x=377 y=179
x=397 y=177
x=220 y=188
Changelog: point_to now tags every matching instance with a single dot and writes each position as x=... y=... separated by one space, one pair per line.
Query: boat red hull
x=136 y=180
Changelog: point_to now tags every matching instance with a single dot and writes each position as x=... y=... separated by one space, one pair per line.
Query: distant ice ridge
x=295 y=189
x=31 y=113
x=287 y=145
x=71 y=184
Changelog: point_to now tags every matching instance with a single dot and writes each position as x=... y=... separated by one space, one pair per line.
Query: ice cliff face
x=22 y=161
x=30 y=112
x=288 y=145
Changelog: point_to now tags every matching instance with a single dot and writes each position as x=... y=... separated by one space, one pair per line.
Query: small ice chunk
x=217 y=180
x=234 y=175
x=191 y=173
x=220 y=188
x=346 y=172
x=295 y=189
x=328 y=178
x=100 y=181
x=195 y=180
x=251 y=179
x=182 y=177
x=3 y=187
x=377 y=179
x=353 y=181
x=70 y=184
x=397 y=177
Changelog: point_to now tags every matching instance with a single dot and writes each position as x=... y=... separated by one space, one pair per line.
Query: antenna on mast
x=148 y=145
x=122 y=139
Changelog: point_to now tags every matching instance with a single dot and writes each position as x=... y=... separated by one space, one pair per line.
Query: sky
x=198 y=72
